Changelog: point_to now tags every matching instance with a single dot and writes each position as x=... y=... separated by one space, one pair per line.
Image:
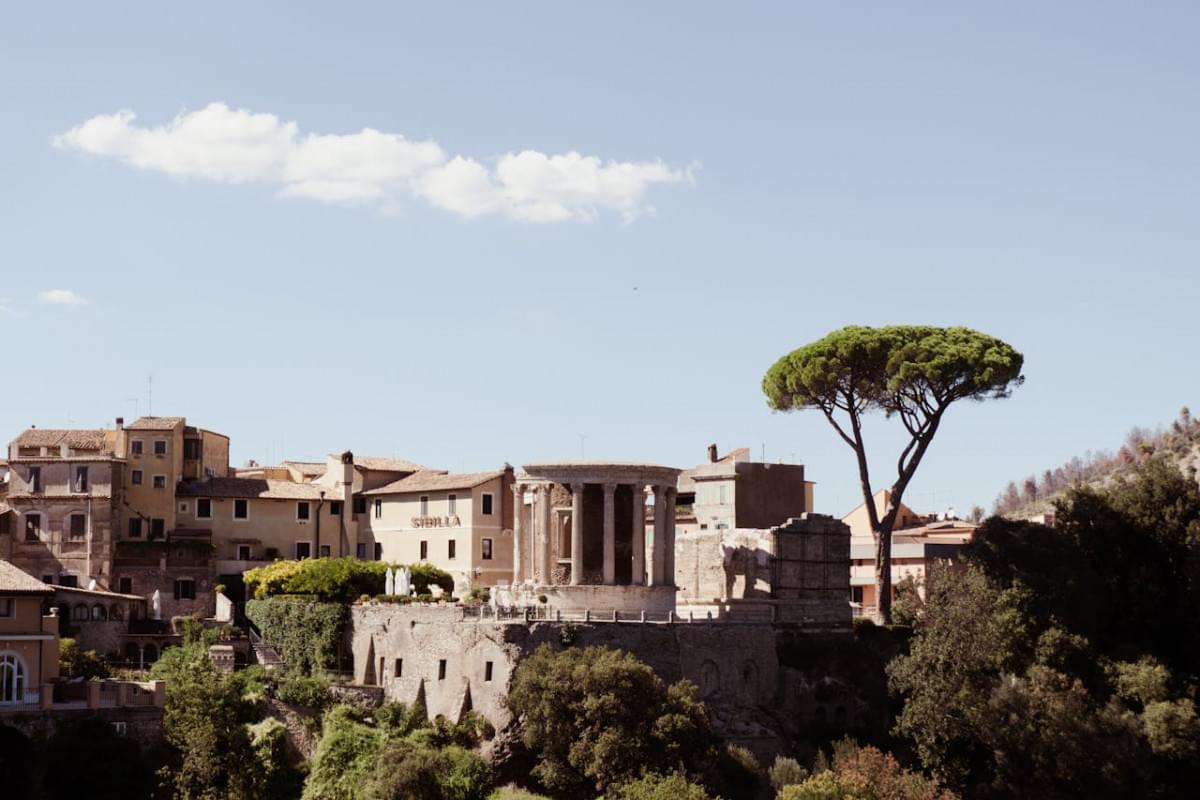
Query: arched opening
x=151 y=654
x=12 y=679
x=710 y=679
x=99 y=612
x=80 y=612
x=133 y=654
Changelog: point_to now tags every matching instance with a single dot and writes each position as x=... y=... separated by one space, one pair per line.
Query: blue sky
x=749 y=178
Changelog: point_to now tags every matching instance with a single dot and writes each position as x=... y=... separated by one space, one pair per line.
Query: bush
x=305 y=632
x=336 y=580
x=76 y=663
x=661 y=787
x=299 y=690
x=787 y=772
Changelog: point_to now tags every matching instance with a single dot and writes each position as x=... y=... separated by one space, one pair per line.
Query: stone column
x=576 y=534
x=639 y=535
x=545 y=545
x=656 y=549
x=518 y=491
x=669 y=537
x=610 y=536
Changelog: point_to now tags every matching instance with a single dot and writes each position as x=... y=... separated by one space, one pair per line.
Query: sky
x=470 y=234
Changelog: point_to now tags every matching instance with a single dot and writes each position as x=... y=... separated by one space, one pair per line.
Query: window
x=721 y=494
x=360 y=551
x=160 y=447
x=441 y=669
x=487 y=671
x=485 y=549
x=135 y=447
x=485 y=502
x=452 y=504
x=378 y=551
x=135 y=528
x=451 y=546
x=7 y=607
x=302 y=511
x=399 y=668
x=78 y=526
x=185 y=589
x=125 y=585
x=119 y=728
x=324 y=551
x=183 y=508
x=160 y=481
x=69 y=581
x=243 y=552
x=99 y=612
x=135 y=477
x=424 y=551
x=241 y=509
x=303 y=550
x=204 y=508
x=335 y=508
x=191 y=449
x=12 y=679
x=48 y=579
x=35 y=479
x=81 y=479
x=856 y=594
x=360 y=505
x=158 y=528
x=378 y=508
x=424 y=505
x=33 y=527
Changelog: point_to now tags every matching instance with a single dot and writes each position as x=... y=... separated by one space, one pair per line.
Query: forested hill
x=1179 y=442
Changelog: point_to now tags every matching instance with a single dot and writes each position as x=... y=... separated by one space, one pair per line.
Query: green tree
x=865 y=773
x=911 y=372
x=76 y=663
x=674 y=786
x=597 y=717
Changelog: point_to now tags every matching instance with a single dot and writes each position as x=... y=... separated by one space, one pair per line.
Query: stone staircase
x=263 y=654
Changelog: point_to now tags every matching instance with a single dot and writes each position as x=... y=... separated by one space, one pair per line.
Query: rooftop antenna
x=150 y=395
x=764 y=452
x=582 y=438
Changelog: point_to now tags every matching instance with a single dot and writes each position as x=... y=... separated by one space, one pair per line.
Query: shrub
x=305 y=632
x=76 y=663
x=787 y=772
x=338 y=580
x=299 y=690
x=660 y=787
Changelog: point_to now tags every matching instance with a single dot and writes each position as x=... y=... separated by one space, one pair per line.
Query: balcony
x=25 y=700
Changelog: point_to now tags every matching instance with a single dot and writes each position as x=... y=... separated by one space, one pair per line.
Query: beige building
x=461 y=523
x=918 y=541
x=731 y=491
x=62 y=506
x=28 y=640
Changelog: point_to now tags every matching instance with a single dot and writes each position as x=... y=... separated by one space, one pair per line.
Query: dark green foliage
x=305 y=632
x=597 y=718
x=396 y=754
x=1064 y=662
x=76 y=663
x=304 y=691
x=912 y=372
x=337 y=580
x=127 y=773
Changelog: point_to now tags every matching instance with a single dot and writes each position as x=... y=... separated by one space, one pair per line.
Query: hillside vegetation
x=1179 y=443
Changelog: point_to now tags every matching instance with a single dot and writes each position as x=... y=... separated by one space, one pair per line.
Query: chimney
x=120 y=423
x=712 y=453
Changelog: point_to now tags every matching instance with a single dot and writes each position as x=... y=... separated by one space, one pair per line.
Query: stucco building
x=731 y=491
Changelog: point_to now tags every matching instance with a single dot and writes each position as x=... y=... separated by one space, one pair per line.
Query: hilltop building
x=731 y=491
x=918 y=541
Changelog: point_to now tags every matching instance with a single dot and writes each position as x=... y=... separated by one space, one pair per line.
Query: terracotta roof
x=15 y=581
x=388 y=464
x=86 y=439
x=154 y=424
x=430 y=481
x=250 y=488
x=308 y=467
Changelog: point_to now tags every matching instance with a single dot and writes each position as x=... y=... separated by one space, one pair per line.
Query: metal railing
x=23 y=699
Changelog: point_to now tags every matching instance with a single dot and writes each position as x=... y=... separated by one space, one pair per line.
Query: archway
x=150 y=654
x=133 y=654
x=12 y=679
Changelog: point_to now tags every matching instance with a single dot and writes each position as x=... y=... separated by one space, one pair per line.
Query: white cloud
x=62 y=297
x=225 y=145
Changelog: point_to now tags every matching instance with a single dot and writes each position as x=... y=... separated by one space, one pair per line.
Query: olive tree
x=911 y=372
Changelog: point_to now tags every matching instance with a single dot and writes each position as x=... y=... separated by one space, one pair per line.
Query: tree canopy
x=913 y=372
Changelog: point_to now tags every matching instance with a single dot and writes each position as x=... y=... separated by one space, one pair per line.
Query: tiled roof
x=15 y=581
x=250 y=488
x=429 y=481
x=387 y=464
x=154 y=424
x=314 y=468
x=86 y=439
